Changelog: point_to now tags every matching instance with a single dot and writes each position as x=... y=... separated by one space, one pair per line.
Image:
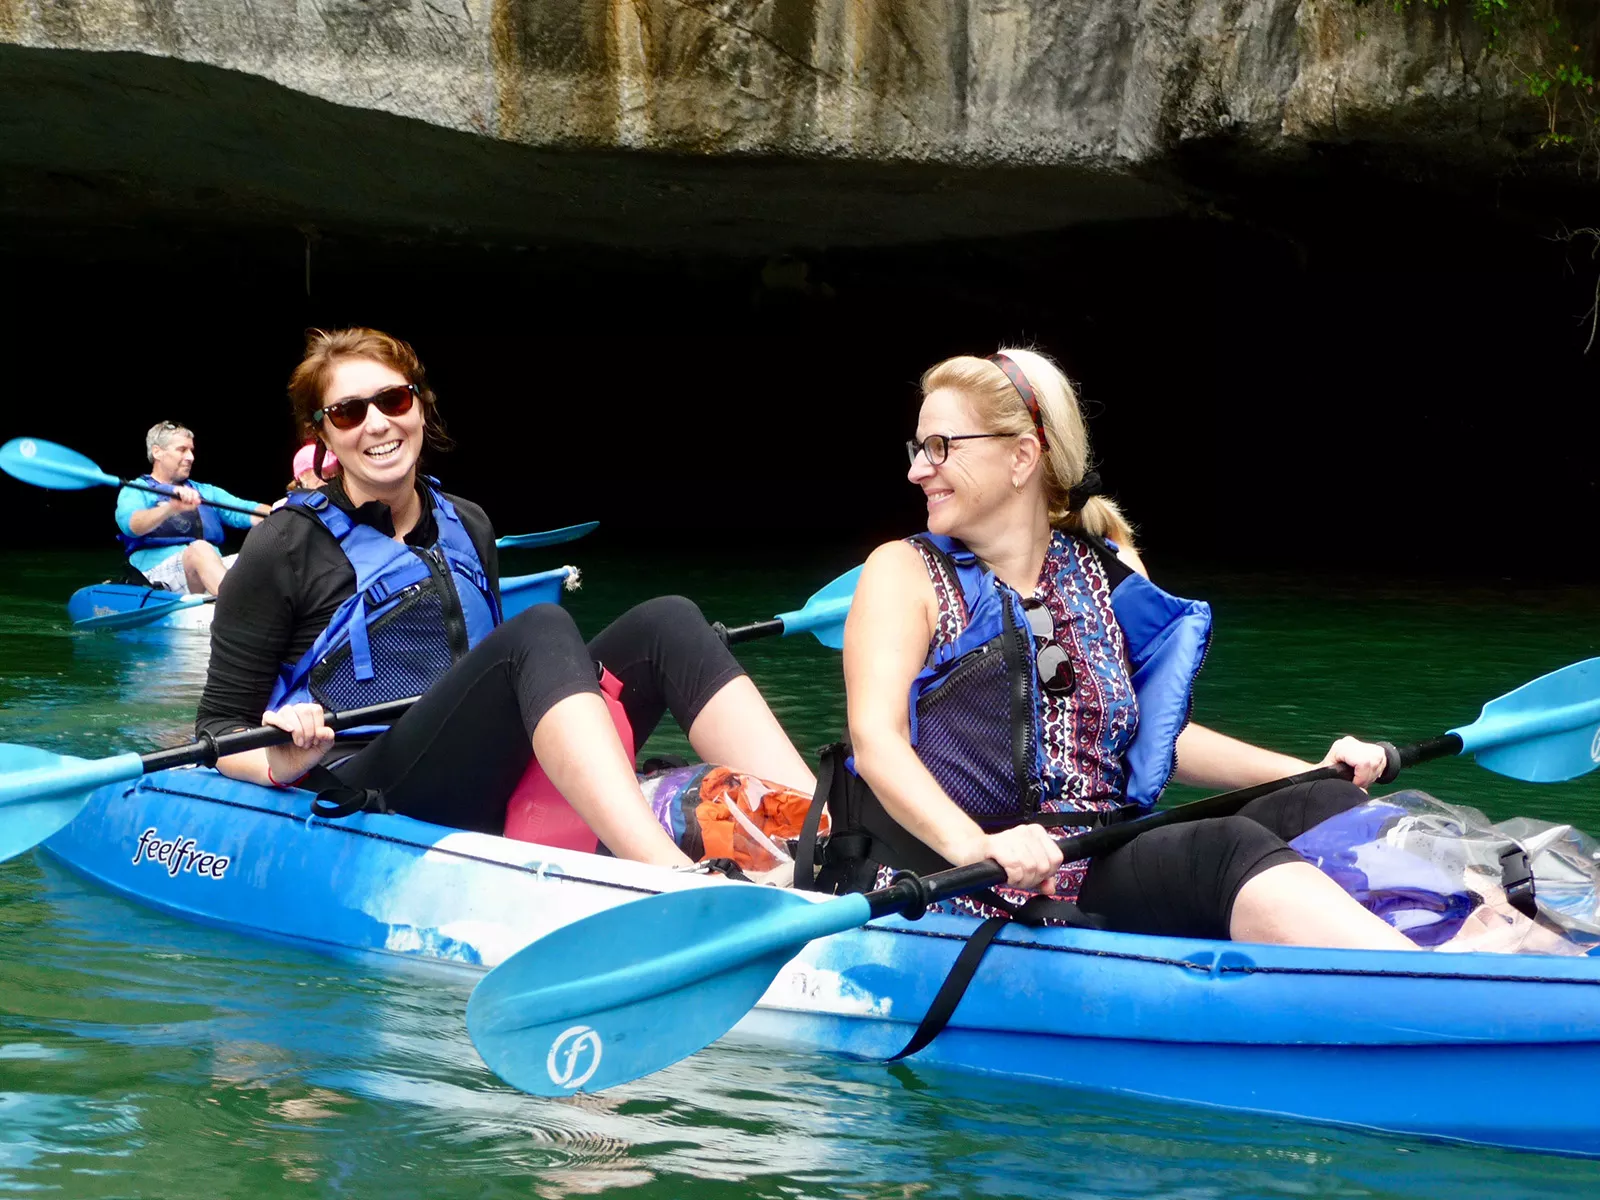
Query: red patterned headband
x=1025 y=390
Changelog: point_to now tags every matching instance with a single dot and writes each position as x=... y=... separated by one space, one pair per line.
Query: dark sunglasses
x=937 y=445
x=1055 y=667
x=347 y=414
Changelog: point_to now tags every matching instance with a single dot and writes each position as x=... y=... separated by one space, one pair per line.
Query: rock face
x=735 y=123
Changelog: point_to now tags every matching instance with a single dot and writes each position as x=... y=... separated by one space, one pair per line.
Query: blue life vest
x=976 y=706
x=413 y=614
x=201 y=525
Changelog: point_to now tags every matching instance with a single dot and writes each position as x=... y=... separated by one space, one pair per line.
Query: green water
x=143 y=1056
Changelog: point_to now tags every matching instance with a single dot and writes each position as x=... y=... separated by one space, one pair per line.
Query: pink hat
x=305 y=457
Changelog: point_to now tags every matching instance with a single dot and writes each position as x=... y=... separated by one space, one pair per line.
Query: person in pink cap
x=306 y=476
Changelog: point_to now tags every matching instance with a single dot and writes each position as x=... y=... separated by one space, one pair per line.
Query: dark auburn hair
x=325 y=349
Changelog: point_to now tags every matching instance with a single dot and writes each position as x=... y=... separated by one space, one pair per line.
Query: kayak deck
x=1381 y=1039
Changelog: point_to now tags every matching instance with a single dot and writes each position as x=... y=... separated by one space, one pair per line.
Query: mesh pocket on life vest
x=410 y=651
x=964 y=734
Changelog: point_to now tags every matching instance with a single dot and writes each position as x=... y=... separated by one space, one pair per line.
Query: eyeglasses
x=937 y=445
x=1053 y=663
x=347 y=414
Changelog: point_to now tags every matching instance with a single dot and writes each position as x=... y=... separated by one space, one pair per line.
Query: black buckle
x=1516 y=876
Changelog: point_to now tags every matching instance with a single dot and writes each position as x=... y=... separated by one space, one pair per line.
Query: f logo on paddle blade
x=574 y=1057
x=1594 y=747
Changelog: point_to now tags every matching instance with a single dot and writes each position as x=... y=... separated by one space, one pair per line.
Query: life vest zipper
x=455 y=621
x=1023 y=750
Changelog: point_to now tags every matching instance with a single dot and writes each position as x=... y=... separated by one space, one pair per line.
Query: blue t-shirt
x=131 y=500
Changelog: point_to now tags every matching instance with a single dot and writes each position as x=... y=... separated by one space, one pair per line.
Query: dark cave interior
x=1337 y=370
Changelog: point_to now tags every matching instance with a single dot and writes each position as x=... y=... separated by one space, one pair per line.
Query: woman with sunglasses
x=1049 y=684
x=380 y=586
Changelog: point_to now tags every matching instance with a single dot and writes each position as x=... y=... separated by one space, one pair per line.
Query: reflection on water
x=145 y=1056
x=142 y=1056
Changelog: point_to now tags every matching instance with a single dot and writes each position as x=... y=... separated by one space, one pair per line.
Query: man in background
x=173 y=540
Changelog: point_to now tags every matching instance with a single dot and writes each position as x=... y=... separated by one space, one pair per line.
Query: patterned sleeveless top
x=1085 y=732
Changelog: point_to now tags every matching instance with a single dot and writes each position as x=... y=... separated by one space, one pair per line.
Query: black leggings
x=1181 y=880
x=455 y=757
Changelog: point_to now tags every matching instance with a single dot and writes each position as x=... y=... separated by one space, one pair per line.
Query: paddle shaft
x=911 y=894
x=207 y=750
x=810 y=619
x=168 y=493
x=1108 y=838
x=751 y=632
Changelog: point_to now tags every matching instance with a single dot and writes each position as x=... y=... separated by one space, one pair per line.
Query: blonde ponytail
x=999 y=406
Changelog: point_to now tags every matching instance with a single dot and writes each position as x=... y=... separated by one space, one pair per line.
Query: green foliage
x=1553 y=68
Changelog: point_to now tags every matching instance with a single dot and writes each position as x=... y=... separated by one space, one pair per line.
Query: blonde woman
x=1049 y=684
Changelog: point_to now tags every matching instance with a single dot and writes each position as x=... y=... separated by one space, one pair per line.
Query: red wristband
x=280 y=783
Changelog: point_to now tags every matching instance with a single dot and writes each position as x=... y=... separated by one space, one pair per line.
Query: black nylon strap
x=805 y=851
x=1020 y=674
x=954 y=986
x=335 y=799
x=1035 y=911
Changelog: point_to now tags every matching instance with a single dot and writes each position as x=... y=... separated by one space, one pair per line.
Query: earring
x=1017 y=484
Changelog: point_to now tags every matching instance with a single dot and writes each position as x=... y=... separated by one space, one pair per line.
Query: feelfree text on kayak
x=179 y=854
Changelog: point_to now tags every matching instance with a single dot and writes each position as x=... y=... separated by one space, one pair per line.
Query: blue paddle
x=822 y=616
x=47 y=465
x=153 y=610
x=549 y=537
x=635 y=988
x=41 y=792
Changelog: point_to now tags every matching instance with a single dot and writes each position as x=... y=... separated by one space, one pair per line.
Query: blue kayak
x=129 y=606
x=1485 y=1048
x=112 y=606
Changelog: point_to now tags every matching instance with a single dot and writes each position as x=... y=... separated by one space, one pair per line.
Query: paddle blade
x=823 y=615
x=1544 y=732
x=41 y=792
x=47 y=465
x=549 y=537
x=135 y=617
x=635 y=988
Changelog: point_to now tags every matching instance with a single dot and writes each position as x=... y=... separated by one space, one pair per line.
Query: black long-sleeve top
x=291 y=577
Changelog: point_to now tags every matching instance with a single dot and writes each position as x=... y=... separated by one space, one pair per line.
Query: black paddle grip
x=747 y=633
x=1392 y=762
x=205 y=750
x=910 y=894
x=1443 y=746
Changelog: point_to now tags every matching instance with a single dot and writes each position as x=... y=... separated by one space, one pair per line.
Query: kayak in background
x=114 y=606
x=130 y=606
